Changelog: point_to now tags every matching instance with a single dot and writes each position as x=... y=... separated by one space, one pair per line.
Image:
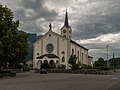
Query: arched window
x=37 y=53
x=57 y=61
x=63 y=52
x=64 y=35
x=39 y=61
x=51 y=62
x=45 y=61
x=72 y=51
x=63 y=59
x=82 y=58
x=78 y=56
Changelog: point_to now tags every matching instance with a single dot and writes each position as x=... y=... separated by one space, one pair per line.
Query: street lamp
x=107 y=55
x=114 y=62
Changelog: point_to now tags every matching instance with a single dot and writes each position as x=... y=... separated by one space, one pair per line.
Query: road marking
x=115 y=78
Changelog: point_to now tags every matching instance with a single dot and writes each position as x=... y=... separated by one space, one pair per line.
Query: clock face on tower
x=64 y=31
x=49 y=48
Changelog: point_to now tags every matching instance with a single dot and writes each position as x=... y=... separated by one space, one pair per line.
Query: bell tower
x=66 y=30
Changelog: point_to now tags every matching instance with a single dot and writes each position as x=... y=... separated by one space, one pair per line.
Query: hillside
x=31 y=39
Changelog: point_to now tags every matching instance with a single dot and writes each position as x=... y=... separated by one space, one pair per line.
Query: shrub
x=1 y=75
x=62 y=66
x=103 y=68
x=84 y=66
x=7 y=74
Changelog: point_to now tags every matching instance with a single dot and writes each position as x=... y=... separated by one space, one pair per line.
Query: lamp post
x=107 y=55
x=114 y=62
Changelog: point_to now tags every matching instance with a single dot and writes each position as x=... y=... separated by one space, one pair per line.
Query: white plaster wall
x=85 y=56
x=63 y=47
x=50 y=39
x=81 y=50
x=36 y=49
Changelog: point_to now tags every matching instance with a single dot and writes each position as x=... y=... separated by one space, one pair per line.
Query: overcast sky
x=95 y=23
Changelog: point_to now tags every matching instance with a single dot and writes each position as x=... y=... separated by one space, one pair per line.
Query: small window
x=40 y=61
x=63 y=59
x=57 y=61
x=63 y=52
x=64 y=35
x=37 y=53
x=72 y=51
x=49 y=35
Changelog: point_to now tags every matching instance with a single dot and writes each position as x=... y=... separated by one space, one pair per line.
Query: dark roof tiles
x=47 y=55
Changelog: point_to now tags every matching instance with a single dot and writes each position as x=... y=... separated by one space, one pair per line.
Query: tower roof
x=50 y=27
x=66 y=20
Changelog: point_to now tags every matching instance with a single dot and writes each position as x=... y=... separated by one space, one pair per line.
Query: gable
x=50 y=32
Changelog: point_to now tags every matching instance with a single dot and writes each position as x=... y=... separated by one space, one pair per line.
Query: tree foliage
x=13 y=44
x=100 y=63
x=72 y=62
x=114 y=62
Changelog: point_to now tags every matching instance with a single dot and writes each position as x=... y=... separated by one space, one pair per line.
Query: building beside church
x=57 y=49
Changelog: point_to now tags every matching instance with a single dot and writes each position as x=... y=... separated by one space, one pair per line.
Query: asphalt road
x=59 y=81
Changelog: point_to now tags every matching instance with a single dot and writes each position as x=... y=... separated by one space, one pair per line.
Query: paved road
x=52 y=81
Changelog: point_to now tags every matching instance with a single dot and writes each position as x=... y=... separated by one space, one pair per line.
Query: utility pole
x=107 y=55
x=114 y=61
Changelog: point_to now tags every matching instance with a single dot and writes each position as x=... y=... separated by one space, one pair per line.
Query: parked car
x=43 y=71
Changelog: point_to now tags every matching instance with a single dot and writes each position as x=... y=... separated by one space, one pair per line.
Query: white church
x=57 y=49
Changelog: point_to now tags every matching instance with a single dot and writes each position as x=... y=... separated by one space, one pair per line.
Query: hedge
x=7 y=74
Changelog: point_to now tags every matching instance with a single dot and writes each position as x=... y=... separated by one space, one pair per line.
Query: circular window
x=49 y=48
x=49 y=35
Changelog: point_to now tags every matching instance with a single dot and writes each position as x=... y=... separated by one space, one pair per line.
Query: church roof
x=47 y=55
x=90 y=57
x=78 y=44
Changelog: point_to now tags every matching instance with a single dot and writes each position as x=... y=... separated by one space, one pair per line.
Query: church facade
x=57 y=49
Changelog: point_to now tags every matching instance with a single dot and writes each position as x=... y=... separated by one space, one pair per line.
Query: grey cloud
x=38 y=7
x=32 y=4
x=31 y=27
x=39 y=10
x=19 y=14
x=105 y=20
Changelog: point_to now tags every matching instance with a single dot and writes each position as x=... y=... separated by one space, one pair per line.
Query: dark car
x=43 y=71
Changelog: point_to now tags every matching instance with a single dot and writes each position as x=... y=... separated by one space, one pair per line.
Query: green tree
x=100 y=63
x=72 y=62
x=13 y=44
x=115 y=62
x=20 y=50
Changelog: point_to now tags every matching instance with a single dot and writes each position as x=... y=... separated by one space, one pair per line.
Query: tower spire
x=66 y=19
x=50 y=27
